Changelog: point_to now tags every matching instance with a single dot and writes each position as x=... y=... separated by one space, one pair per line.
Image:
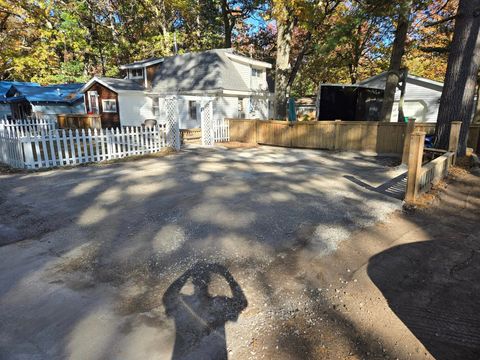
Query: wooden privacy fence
x=380 y=137
x=59 y=147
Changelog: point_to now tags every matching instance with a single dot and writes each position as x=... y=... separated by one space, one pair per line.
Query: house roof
x=61 y=93
x=207 y=70
x=410 y=78
x=142 y=63
x=116 y=85
x=6 y=85
x=210 y=70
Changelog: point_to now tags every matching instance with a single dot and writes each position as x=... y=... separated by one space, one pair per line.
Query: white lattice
x=207 y=123
x=173 y=130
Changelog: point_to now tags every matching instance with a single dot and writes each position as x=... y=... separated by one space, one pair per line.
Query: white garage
x=422 y=96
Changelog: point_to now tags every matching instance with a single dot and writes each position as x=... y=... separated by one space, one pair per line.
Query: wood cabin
x=44 y=101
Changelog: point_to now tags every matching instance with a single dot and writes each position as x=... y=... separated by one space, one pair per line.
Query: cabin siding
x=5 y=111
x=109 y=120
x=50 y=111
x=151 y=70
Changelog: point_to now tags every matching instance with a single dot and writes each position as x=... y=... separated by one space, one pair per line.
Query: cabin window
x=136 y=73
x=109 y=105
x=256 y=72
x=92 y=102
x=192 y=109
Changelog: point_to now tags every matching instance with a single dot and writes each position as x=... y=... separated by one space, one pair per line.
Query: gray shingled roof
x=121 y=84
x=208 y=70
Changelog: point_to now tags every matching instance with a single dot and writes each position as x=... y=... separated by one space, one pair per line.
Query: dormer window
x=136 y=74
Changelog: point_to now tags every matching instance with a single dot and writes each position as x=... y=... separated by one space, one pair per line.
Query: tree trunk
x=227 y=28
x=282 y=66
x=393 y=75
x=299 y=61
x=457 y=101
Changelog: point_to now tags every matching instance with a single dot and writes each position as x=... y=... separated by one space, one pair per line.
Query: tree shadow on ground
x=200 y=318
x=137 y=226
x=433 y=287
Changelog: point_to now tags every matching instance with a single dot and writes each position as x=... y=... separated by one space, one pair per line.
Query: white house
x=238 y=85
x=422 y=96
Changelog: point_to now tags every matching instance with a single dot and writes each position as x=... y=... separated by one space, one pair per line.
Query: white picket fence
x=28 y=125
x=221 y=130
x=58 y=147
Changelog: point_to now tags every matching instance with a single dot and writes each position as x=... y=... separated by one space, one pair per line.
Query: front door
x=93 y=102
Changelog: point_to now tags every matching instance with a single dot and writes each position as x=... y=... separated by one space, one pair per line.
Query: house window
x=155 y=107
x=109 y=105
x=192 y=109
x=241 y=108
x=92 y=102
x=136 y=73
x=256 y=72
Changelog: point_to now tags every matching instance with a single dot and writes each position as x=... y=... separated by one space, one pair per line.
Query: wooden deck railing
x=79 y=121
x=422 y=176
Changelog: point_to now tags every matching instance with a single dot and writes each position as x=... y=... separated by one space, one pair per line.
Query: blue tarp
x=6 y=85
x=61 y=93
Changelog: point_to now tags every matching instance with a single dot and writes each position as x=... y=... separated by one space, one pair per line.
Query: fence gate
x=172 y=125
x=214 y=128
x=207 y=123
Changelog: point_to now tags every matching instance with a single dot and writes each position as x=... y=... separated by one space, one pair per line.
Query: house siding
x=226 y=107
x=109 y=120
x=134 y=108
x=245 y=72
x=253 y=83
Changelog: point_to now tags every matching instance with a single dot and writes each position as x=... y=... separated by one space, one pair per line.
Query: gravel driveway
x=172 y=257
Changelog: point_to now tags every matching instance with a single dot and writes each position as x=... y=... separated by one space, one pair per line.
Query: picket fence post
x=29 y=161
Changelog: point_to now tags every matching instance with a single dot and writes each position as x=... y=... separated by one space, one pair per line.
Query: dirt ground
x=240 y=253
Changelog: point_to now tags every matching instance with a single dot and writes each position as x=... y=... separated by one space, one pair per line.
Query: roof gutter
x=141 y=65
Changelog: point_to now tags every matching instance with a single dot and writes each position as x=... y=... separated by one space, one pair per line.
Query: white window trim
x=103 y=106
x=258 y=72
x=95 y=93
x=130 y=73
x=196 y=110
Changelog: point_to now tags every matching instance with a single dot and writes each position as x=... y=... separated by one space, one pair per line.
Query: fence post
x=337 y=139
x=406 y=143
x=415 y=158
x=454 y=138
x=29 y=161
x=108 y=137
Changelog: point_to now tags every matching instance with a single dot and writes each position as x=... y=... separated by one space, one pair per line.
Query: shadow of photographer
x=200 y=318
